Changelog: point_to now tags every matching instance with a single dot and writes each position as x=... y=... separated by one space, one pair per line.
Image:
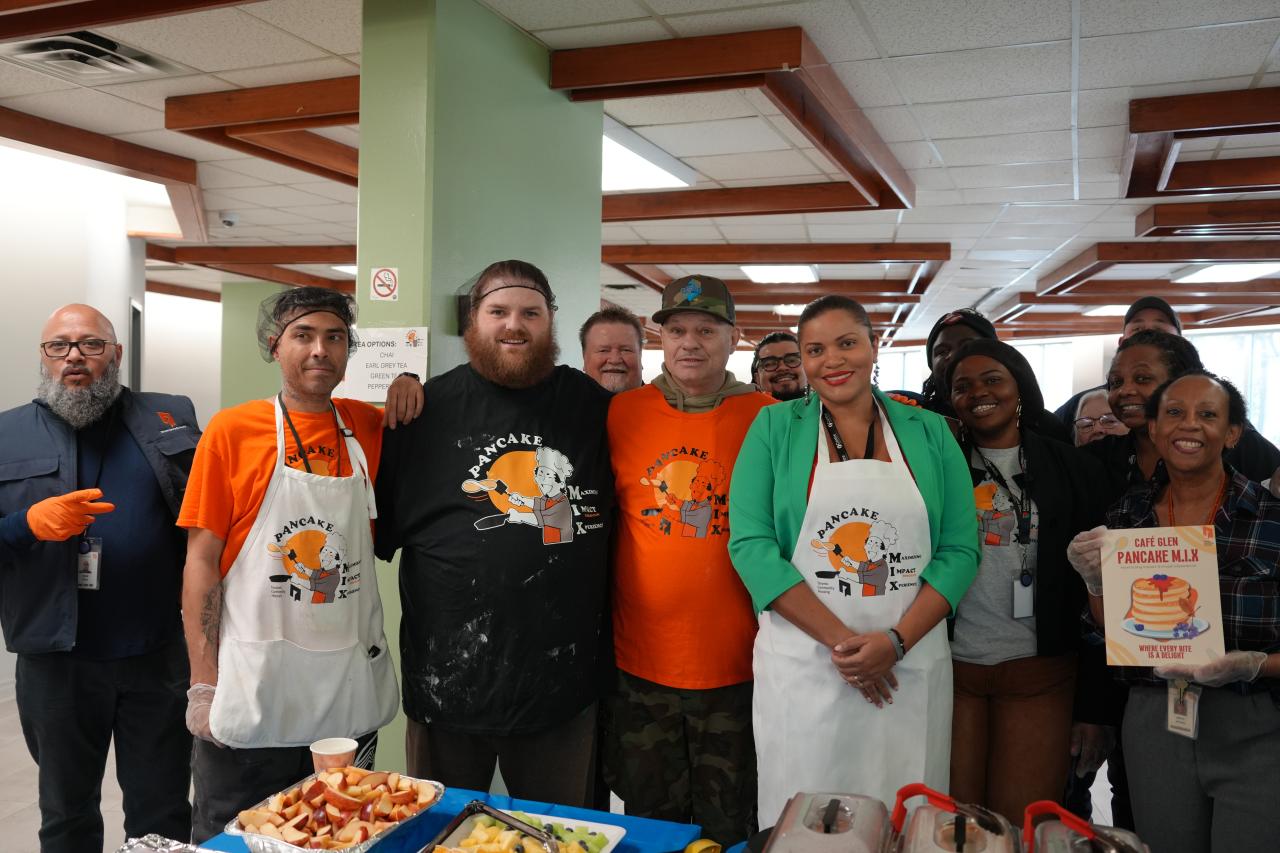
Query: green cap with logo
x=703 y=293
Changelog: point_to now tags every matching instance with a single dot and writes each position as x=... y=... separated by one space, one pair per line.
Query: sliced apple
x=355 y=774
x=341 y=800
x=294 y=836
x=270 y=831
x=426 y=793
x=336 y=780
x=373 y=780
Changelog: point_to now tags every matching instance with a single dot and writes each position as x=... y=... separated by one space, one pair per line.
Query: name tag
x=88 y=563
x=1024 y=596
x=1184 y=709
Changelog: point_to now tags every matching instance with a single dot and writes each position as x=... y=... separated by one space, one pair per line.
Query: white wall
x=63 y=239
x=182 y=339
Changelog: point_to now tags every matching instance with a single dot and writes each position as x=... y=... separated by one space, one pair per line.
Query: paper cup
x=332 y=752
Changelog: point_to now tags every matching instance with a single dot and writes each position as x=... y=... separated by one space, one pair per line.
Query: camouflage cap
x=703 y=293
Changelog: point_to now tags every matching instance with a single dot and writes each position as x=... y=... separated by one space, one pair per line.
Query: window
x=1247 y=359
x=1051 y=362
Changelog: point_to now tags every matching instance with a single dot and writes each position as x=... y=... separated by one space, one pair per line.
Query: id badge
x=1184 y=709
x=1024 y=596
x=89 y=562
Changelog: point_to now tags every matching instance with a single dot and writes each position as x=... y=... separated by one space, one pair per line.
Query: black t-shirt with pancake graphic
x=501 y=502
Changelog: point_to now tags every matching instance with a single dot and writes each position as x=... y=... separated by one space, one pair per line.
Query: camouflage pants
x=683 y=755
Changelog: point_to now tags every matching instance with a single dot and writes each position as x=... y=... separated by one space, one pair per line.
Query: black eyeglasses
x=770 y=364
x=1105 y=420
x=62 y=349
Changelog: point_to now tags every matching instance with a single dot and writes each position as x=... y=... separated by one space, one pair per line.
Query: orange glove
x=63 y=516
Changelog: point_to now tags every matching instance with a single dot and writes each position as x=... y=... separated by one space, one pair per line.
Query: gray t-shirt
x=986 y=632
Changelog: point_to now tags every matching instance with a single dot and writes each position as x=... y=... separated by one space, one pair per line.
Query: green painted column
x=245 y=376
x=467 y=157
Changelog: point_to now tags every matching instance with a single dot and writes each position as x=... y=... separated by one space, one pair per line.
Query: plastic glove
x=1231 y=667
x=58 y=518
x=199 y=704
x=404 y=401
x=1085 y=555
x=1090 y=745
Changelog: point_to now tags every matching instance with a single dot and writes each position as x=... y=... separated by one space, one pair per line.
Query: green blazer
x=769 y=494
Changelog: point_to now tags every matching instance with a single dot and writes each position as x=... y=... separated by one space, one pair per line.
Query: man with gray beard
x=91 y=480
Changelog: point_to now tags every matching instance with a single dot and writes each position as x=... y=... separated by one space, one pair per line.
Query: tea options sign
x=380 y=356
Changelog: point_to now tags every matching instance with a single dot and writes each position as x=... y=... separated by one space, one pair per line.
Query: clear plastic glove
x=199 y=704
x=1228 y=669
x=404 y=401
x=1085 y=555
x=58 y=518
x=1090 y=746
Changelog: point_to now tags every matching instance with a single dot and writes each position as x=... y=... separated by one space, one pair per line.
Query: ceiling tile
x=330 y=190
x=986 y=195
x=340 y=213
x=1099 y=107
x=681 y=233
x=941 y=230
x=1018 y=175
x=307 y=227
x=1103 y=141
x=352 y=57
x=223 y=199
x=1246 y=153
x=841 y=233
x=776 y=219
x=767 y=164
x=1019 y=114
x=602 y=34
x=215 y=177
x=823 y=162
x=1115 y=230
x=1105 y=189
x=90 y=110
x=938 y=198
x=994 y=72
x=16 y=80
x=264 y=216
x=727 y=136
x=677 y=109
x=916 y=155
x=764 y=233
x=922 y=26
x=957 y=213
x=1051 y=213
x=1173 y=55
x=760 y=101
x=831 y=24
x=894 y=124
x=269 y=171
x=859 y=217
x=869 y=83
x=331 y=24
x=931 y=179
x=291 y=72
x=1009 y=148
x=1021 y=244
x=185 y=146
x=565 y=13
x=1105 y=17
x=814 y=178
x=278 y=196
x=1034 y=229
x=1101 y=169
x=216 y=40
x=1252 y=140
x=152 y=93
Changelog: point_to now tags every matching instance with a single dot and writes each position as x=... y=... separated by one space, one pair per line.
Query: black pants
x=229 y=780
x=71 y=708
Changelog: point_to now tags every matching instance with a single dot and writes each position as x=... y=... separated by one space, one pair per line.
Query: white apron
x=815 y=732
x=302 y=654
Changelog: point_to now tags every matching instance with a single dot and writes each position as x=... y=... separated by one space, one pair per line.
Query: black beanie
x=961 y=316
x=1156 y=303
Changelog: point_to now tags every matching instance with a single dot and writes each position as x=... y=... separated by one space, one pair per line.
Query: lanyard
x=1208 y=522
x=302 y=450
x=830 y=424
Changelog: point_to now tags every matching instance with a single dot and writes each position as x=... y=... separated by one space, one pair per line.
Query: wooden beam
x=647 y=274
x=735 y=201
x=1252 y=174
x=187 y=202
x=1143 y=163
x=781 y=253
x=678 y=59
x=769 y=320
x=1241 y=108
x=306 y=146
x=923 y=276
x=282 y=275
x=210 y=255
x=60 y=18
x=871 y=292
x=165 y=254
x=219 y=136
x=180 y=290
x=1100 y=256
x=1134 y=288
x=1167 y=220
x=332 y=97
x=668 y=87
x=307 y=123
x=1078 y=298
x=96 y=149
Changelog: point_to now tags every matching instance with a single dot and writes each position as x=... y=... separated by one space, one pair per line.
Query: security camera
x=229 y=218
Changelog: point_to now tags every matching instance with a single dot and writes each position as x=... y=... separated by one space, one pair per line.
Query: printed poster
x=1161 y=597
x=381 y=355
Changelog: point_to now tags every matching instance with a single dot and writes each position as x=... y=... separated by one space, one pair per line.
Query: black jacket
x=1063 y=483
x=38 y=597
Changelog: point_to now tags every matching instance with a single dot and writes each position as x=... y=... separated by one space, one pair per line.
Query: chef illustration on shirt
x=550 y=509
x=996 y=518
x=873 y=572
x=695 y=514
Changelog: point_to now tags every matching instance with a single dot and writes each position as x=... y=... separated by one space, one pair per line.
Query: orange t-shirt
x=681 y=616
x=237 y=456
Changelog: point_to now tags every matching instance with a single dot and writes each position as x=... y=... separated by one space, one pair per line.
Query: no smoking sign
x=384 y=284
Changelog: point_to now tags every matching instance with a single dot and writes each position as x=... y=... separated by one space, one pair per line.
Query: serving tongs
x=477 y=807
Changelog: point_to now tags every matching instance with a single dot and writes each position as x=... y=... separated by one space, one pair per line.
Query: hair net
x=280 y=310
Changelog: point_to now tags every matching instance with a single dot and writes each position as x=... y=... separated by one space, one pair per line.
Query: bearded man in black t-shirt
x=500 y=497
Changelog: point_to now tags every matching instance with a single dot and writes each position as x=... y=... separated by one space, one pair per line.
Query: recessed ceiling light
x=788 y=310
x=631 y=162
x=1107 y=311
x=1199 y=273
x=349 y=269
x=781 y=273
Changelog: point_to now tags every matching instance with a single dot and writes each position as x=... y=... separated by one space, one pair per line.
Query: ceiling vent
x=88 y=59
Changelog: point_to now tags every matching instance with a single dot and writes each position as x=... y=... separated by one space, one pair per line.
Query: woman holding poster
x=1203 y=742
x=1023 y=674
x=852 y=526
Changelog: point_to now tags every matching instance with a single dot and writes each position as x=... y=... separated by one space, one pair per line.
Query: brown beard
x=510 y=370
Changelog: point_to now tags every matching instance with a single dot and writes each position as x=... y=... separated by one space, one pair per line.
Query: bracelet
x=415 y=377
x=899 y=648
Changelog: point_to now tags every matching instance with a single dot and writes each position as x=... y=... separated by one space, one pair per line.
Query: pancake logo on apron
x=314 y=558
x=689 y=498
x=532 y=488
x=997 y=519
x=861 y=549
